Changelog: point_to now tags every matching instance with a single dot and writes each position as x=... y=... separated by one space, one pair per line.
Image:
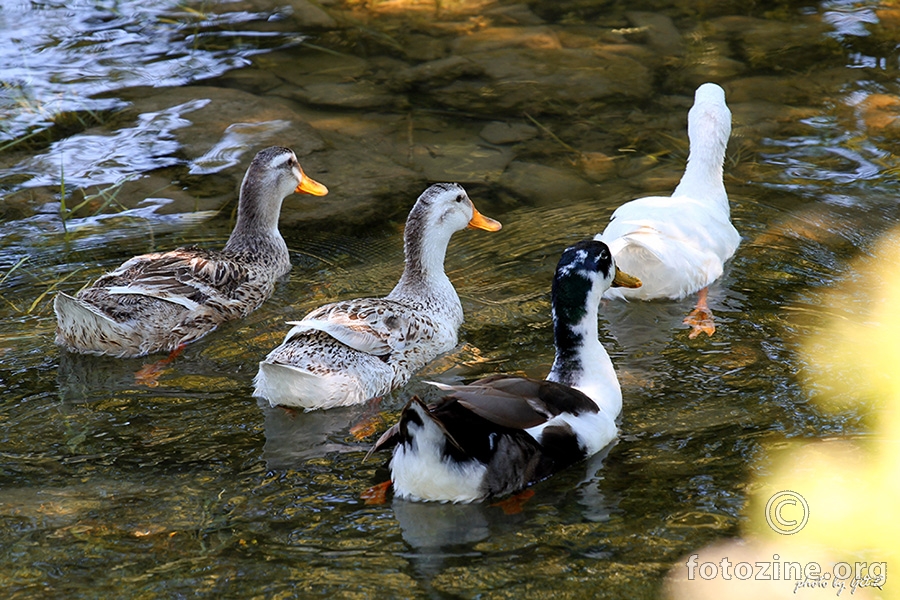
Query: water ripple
x=59 y=56
x=85 y=160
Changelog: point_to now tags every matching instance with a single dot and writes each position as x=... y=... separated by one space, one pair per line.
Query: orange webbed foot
x=700 y=321
x=377 y=494
x=515 y=503
x=149 y=374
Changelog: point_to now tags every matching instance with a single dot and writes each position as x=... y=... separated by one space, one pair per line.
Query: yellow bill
x=479 y=221
x=623 y=279
x=310 y=186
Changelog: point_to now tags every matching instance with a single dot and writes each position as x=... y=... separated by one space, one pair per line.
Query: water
x=109 y=487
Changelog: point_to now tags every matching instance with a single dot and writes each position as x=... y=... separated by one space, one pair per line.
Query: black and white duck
x=502 y=433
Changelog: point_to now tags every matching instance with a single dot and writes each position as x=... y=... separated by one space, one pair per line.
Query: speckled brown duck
x=160 y=301
x=349 y=352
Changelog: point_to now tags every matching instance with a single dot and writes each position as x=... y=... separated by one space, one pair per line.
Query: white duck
x=502 y=433
x=351 y=351
x=677 y=245
x=161 y=301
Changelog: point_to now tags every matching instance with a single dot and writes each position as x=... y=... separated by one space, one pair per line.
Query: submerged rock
x=309 y=15
x=880 y=113
x=544 y=185
x=795 y=45
x=314 y=66
x=597 y=166
x=462 y=161
x=555 y=80
x=438 y=72
x=500 y=132
x=494 y=38
x=515 y=14
x=356 y=94
x=659 y=30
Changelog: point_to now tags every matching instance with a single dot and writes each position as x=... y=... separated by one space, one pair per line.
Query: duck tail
x=81 y=327
x=287 y=385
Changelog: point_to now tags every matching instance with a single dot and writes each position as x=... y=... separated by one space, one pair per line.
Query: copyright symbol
x=787 y=512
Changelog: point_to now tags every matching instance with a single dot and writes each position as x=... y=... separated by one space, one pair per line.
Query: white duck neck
x=581 y=360
x=423 y=278
x=709 y=127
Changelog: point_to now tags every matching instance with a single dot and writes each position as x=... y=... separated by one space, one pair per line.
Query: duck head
x=446 y=207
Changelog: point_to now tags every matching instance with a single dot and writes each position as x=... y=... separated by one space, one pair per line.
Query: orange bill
x=479 y=221
x=310 y=186
x=623 y=279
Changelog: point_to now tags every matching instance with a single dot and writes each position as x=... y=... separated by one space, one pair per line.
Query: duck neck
x=256 y=235
x=423 y=278
x=702 y=177
x=581 y=361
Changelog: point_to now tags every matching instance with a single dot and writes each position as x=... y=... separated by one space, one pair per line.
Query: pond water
x=126 y=129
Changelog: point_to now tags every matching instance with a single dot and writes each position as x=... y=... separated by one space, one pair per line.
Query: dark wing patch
x=520 y=402
x=565 y=399
x=507 y=411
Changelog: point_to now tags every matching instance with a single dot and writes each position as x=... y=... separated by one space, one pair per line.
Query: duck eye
x=459 y=198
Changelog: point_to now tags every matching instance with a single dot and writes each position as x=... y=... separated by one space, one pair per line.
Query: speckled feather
x=374 y=344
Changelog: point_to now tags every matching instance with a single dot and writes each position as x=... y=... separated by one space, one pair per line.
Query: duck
x=161 y=301
x=678 y=245
x=502 y=433
x=351 y=351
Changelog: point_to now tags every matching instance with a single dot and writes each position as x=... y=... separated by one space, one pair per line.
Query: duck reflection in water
x=295 y=436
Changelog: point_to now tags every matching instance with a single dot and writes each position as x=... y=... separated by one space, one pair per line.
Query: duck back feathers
x=470 y=446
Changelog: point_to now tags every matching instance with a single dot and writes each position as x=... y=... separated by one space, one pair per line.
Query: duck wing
x=656 y=223
x=519 y=402
x=376 y=326
x=186 y=276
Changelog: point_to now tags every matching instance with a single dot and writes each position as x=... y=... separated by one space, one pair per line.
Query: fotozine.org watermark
x=787 y=512
x=841 y=577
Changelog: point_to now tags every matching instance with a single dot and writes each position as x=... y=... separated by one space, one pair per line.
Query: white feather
x=151 y=293
x=291 y=386
x=419 y=472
